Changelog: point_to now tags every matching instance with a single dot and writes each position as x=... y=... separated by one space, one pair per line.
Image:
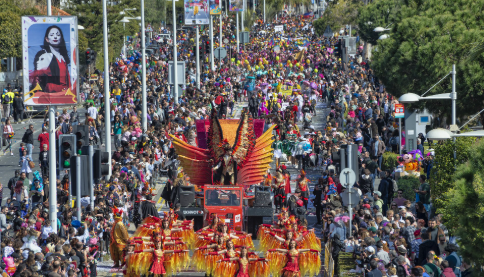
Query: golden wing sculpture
x=252 y=155
x=215 y=137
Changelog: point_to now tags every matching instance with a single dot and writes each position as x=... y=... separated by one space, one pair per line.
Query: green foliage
x=10 y=26
x=155 y=12
x=180 y=9
x=90 y=16
x=249 y=19
x=443 y=170
x=408 y=184
x=339 y=14
x=464 y=212
x=427 y=37
x=389 y=161
x=378 y=13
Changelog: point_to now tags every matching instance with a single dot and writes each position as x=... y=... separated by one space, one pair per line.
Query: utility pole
x=175 y=53
x=144 y=117
x=197 y=34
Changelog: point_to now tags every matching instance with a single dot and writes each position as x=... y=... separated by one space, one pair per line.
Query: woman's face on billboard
x=54 y=37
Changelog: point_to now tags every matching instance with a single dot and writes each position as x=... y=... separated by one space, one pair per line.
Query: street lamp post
x=124 y=20
x=107 y=112
x=175 y=71
x=144 y=117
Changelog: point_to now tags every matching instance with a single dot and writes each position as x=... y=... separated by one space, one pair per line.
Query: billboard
x=236 y=5
x=50 y=60
x=196 y=12
x=215 y=7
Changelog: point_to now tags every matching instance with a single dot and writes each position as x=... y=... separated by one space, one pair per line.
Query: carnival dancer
x=119 y=237
x=279 y=189
x=241 y=237
x=162 y=266
x=206 y=263
x=277 y=146
x=242 y=266
x=302 y=184
x=294 y=262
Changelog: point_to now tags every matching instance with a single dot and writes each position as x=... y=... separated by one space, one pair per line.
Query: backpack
x=6 y=99
x=395 y=185
x=393 y=141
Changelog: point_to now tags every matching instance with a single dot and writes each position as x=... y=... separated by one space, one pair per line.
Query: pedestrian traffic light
x=67 y=144
x=100 y=165
x=79 y=172
x=82 y=136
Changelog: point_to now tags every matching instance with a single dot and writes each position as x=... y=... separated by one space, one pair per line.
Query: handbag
x=283 y=158
x=31 y=164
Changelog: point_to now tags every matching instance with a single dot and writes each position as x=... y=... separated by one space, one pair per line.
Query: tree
x=10 y=24
x=465 y=209
x=155 y=12
x=339 y=13
x=379 y=13
x=428 y=37
x=443 y=170
x=90 y=15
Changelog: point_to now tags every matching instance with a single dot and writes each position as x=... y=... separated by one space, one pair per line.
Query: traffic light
x=180 y=18
x=88 y=56
x=337 y=49
x=82 y=171
x=82 y=136
x=67 y=150
x=100 y=164
x=207 y=47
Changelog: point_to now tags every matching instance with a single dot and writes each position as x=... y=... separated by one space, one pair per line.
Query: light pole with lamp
x=412 y=98
x=124 y=20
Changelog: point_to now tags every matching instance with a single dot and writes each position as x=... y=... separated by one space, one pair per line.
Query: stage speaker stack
x=262 y=197
x=187 y=196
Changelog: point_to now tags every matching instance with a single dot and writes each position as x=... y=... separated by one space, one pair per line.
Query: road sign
x=347 y=177
x=180 y=72
x=399 y=111
x=226 y=41
x=220 y=53
x=244 y=37
x=355 y=197
x=149 y=29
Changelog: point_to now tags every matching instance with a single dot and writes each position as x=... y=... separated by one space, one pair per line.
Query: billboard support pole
x=175 y=62
x=212 y=66
x=52 y=158
x=52 y=171
x=237 y=15
x=197 y=34
x=264 y=11
x=107 y=111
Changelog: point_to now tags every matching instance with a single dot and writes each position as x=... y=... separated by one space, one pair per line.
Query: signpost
x=399 y=113
x=351 y=196
x=220 y=53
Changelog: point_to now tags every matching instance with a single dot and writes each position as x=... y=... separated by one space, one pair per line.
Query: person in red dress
x=51 y=64
x=291 y=269
x=157 y=268
x=243 y=262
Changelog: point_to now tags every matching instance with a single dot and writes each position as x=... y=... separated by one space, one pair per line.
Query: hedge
x=408 y=184
x=390 y=161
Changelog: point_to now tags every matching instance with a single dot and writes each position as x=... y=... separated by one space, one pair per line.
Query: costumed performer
x=161 y=266
x=119 y=237
x=294 y=262
x=242 y=266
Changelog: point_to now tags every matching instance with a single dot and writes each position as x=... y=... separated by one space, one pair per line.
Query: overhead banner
x=236 y=5
x=50 y=60
x=197 y=12
x=215 y=7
